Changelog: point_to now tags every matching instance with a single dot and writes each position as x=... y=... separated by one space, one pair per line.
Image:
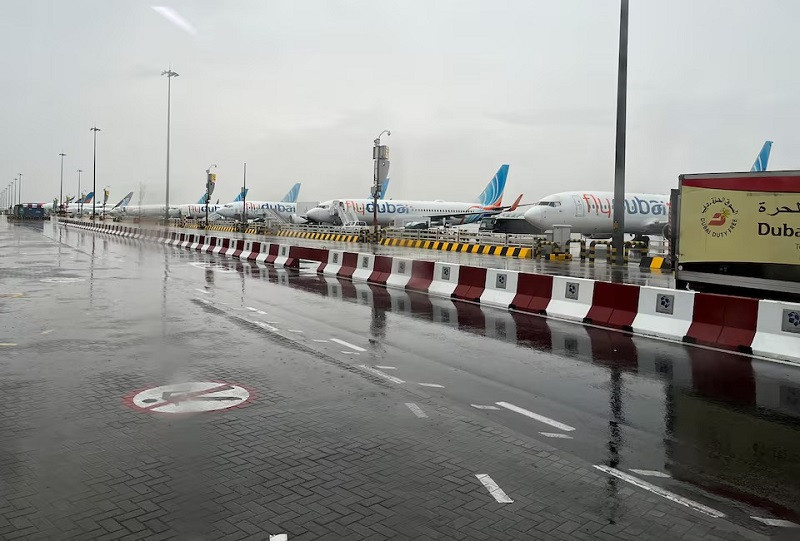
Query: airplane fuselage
x=390 y=210
x=258 y=209
x=591 y=213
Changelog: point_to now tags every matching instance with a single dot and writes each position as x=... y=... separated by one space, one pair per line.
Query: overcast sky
x=299 y=89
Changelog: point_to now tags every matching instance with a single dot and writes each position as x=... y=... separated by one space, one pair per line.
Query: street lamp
x=170 y=74
x=19 y=190
x=61 y=192
x=94 y=131
x=618 y=228
x=210 y=183
x=80 y=199
x=378 y=153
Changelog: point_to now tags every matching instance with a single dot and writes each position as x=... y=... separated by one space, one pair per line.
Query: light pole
x=94 y=131
x=19 y=190
x=378 y=153
x=244 y=196
x=211 y=179
x=618 y=238
x=79 y=196
x=61 y=192
x=170 y=74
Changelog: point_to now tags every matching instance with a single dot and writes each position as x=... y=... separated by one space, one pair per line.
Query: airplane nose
x=315 y=215
x=535 y=217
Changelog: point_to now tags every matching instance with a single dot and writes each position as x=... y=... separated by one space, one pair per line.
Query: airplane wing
x=485 y=211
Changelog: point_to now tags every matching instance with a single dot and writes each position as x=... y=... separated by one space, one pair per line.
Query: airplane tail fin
x=239 y=197
x=125 y=200
x=202 y=200
x=293 y=194
x=492 y=195
x=88 y=198
x=763 y=157
x=515 y=204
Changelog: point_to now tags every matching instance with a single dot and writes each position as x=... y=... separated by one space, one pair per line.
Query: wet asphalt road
x=90 y=317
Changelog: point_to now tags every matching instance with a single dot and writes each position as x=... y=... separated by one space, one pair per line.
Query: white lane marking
x=295 y=330
x=381 y=374
x=691 y=504
x=251 y=308
x=318 y=340
x=558 y=435
x=483 y=407
x=435 y=385
x=536 y=416
x=265 y=326
x=279 y=537
x=48 y=331
x=347 y=344
x=261 y=312
x=7 y=344
x=416 y=410
x=203 y=291
x=776 y=522
x=650 y=473
x=350 y=352
x=386 y=367
x=493 y=488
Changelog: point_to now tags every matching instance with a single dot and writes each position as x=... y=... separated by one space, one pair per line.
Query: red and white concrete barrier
x=723 y=321
x=664 y=313
x=499 y=288
x=444 y=280
x=334 y=263
x=777 y=330
x=363 y=270
x=571 y=298
x=471 y=284
x=400 y=273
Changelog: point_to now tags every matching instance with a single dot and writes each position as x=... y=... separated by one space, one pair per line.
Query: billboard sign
x=740 y=218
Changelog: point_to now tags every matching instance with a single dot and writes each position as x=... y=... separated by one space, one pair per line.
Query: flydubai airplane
x=85 y=205
x=449 y=212
x=143 y=211
x=198 y=210
x=590 y=213
x=285 y=208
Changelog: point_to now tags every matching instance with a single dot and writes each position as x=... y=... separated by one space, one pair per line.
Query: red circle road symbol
x=189 y=397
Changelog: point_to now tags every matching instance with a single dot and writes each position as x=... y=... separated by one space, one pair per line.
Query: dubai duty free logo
x=718 y=217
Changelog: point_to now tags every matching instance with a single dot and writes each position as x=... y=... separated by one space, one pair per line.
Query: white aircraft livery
x=450 y=212
x=590 y=213
x=284 y=208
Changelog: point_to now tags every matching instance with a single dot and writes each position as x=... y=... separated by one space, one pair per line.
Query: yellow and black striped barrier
x=655 y=263
x=466 y=248
x=338 y=237
x=226 y=228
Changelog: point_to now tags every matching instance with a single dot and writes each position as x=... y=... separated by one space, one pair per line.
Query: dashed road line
x=264 y=325
x=347 y=344
x=203 y=291
x=557 y=435
x=691 y=504
x=536 y=416
x=350 y=352
x=493 y=488
x=7 y=344
x=650 y=473
x=484 y=407
x=776 y=522
x=435 y=385
x=279 y=537
x=386 y=367
x=295 y=330
x=251 y=308
x=384 y=375
x=321 y=341
x=416 y=410
x=48 y=331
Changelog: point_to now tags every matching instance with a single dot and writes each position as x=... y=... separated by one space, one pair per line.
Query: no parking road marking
x=191 y=397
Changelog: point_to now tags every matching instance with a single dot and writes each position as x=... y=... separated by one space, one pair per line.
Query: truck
x=738 y=233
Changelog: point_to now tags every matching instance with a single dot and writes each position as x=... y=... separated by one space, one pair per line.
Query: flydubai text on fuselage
x=450 y=212
x=258 y=209
x=591 y=213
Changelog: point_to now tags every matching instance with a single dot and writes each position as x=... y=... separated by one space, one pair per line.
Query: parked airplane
x=143 y=211
x=284 y=208
x=198 y=210
x=590 y=213
x=449 y=212
x=84 y=205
